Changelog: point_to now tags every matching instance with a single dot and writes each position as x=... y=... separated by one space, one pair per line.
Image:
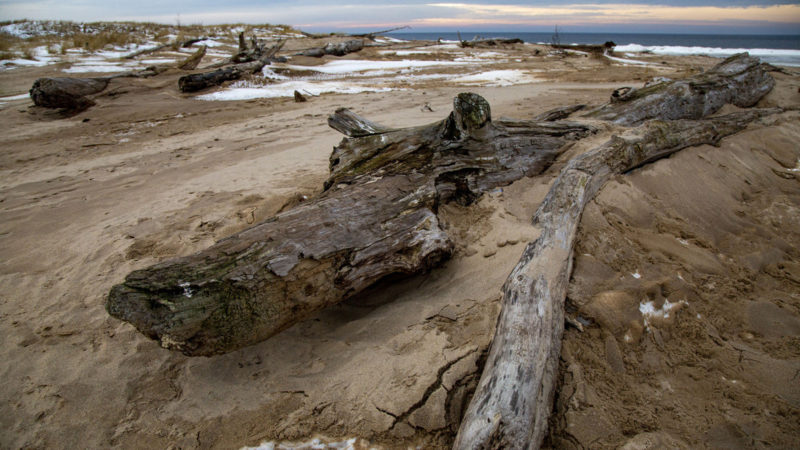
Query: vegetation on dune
x=21 y=38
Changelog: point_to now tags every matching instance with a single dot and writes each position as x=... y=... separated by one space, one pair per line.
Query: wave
x=773 y=56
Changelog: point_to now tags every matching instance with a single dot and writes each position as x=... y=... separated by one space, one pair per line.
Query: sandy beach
x=686 y=277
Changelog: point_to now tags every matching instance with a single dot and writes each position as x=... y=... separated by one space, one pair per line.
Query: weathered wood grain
x=740 y=80
x=512 y=402
x=376 y=217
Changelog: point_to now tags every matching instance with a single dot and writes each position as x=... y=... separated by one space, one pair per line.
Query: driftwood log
x=588 y=48
x=740 y=80
x=376 y=217
x=512 y=403
x=199 y=81
x=73 y=94
x=67 y=93
x=494 y=42
x=340 y=49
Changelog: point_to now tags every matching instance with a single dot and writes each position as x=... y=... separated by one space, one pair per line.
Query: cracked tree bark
x=512 y=402
x=377 y=216
x=740 y=80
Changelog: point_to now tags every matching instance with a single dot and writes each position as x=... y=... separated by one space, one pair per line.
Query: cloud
x=770 y=16
x=617 y=13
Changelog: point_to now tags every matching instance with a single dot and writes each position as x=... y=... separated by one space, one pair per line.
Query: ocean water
x=774 y=49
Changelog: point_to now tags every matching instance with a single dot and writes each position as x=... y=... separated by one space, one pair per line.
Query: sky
x=634 y=16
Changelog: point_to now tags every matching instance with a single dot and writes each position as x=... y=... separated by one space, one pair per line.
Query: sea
x=781 y=50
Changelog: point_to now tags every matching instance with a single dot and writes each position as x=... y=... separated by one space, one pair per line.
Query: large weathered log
x=68 y=93
x=340 y=49
x=740 y=80
x=377 y=216
x=512 y=402
x=199 y=81
x=72 y=94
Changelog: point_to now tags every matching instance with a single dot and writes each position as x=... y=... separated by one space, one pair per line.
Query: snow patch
x=241 y=91
x=497 y=78
x=356 y=65
x=629 y=61
x=316 y=444
x=770 y=55
x=650 y=312
x=210 y=43
x=15 y=97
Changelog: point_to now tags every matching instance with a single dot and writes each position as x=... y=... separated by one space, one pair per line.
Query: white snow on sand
x=650 y=312
x=14 y=97
x=286 y=89
x=786 y=57
x=496 y=78
x=41 y=57
x=315 y=444
x=356 y=65
x=629 y=61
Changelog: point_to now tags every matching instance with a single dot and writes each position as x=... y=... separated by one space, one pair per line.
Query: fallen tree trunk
x=377 y=216
x=199 y=81
x=740 y=80
x=67 y=93
x=487 y=42
x=72 y=94
x=340 y=49
x=588 y=48
x=512 y=402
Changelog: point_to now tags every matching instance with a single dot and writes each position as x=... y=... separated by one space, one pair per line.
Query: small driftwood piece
x=588 y=48
x=376 y=217
x=199 y=81
x=512 y=403
x=558 y=113
x=371 y=36
x=193 y=60
x=174 y=44
x=740 y=80
x=68 y=93
x=340 y=49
